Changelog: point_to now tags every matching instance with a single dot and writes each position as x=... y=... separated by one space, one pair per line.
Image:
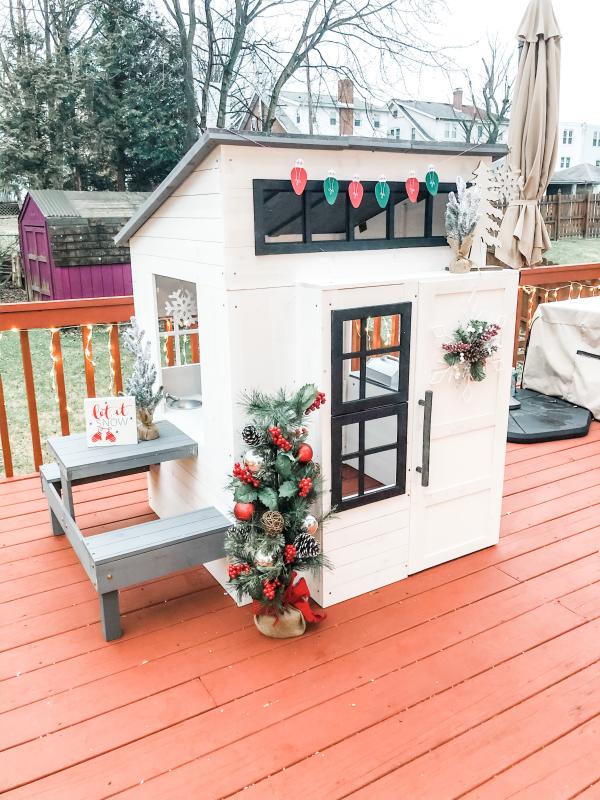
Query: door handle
x=427 y=404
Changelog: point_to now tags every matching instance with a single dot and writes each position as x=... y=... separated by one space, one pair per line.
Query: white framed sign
x=110 y=421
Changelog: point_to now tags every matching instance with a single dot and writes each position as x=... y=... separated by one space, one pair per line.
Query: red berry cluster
x=234 y=570
x=317 y=403
x=305 y=485
x=244 y=474
x=269 y=588
x=289 y=553
x=278 y=439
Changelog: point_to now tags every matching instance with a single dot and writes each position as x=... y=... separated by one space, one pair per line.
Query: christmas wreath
x=274 y=486
x=471 y=347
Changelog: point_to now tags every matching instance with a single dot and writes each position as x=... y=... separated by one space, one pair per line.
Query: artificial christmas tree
x=141 y=381
x=273 y=493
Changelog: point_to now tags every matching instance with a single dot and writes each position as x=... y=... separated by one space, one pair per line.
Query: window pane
x=369 y=218
x=351 y=334
x=327 y=222
x=381 y=431
x=383 y=374
x=350 y=438
x=438 y=222
x=282 y=214
x=380 y=332
x=349 y=478
x=409 y=218
x=380 y=470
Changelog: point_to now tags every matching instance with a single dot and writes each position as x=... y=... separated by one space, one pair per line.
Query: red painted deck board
x=479 y=677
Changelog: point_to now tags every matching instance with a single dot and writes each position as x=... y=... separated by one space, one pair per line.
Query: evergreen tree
x=134 y=98
x=275 y=488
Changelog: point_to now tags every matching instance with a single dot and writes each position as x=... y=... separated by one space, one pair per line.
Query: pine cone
x=306 y=546
x=251 y=436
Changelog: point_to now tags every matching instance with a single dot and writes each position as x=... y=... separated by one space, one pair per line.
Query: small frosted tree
x=142 y=380
x=462 y=213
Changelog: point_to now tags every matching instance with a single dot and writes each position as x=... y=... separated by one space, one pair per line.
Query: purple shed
x=67 y=243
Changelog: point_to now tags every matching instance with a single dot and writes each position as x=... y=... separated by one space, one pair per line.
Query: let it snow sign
x=110 y=421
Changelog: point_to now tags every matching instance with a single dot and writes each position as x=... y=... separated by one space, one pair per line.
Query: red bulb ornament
x=412 y=188
x=355 y=192
x=298 y=177
x=243 y=511
x=305 y=453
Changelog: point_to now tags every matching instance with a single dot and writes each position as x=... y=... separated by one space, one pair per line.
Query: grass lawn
x=11 y=369
x=574 y=251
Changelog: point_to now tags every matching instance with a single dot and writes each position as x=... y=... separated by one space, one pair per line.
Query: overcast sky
x=469 y=21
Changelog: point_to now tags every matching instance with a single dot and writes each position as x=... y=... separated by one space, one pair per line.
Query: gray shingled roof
x=82 y=225
x=85 y=205
x=329 y=101
x=434 y=109
x=580 y=173
x=213 y=138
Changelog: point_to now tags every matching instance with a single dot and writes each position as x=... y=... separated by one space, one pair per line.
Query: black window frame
x=364 y=409
x=307 y=245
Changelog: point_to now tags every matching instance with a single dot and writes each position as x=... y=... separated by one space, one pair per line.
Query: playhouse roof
x=213 y=138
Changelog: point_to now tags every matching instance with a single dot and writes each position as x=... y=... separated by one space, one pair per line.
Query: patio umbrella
x=532 y=135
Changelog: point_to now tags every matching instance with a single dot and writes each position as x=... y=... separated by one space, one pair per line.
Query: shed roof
x=213 y=138
x=59 y=203
x=82 y=225
x=580 y=173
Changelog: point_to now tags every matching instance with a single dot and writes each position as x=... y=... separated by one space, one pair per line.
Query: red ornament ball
x=243 y=511
x=305 y=453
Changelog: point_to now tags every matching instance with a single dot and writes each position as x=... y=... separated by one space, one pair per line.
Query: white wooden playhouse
x=288 y=289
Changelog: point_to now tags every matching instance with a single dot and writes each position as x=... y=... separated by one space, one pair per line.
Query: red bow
x=296 y=595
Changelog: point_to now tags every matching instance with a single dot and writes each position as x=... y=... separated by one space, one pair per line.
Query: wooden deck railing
x=54 y=316
x=546 y=285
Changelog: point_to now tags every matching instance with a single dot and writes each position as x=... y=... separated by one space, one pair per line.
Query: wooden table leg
x=67 y=493
x=110 y=617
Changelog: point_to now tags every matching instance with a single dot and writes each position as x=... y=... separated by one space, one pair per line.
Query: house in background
x=322 y=114
x=578 y=143
x=425 y=120
x=580 y=179
x=67 y=246
x=347 y=115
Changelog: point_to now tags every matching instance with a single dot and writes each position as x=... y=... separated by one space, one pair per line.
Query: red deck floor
x=479 y=678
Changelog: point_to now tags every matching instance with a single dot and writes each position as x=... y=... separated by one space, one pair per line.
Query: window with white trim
x=450 y=130
x=567 y=137
x=596 y=139
x=177 y=319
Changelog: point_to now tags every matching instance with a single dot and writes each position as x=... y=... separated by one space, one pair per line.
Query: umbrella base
x=541 y=418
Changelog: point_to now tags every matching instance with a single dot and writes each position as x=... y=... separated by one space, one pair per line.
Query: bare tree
x=492 y=98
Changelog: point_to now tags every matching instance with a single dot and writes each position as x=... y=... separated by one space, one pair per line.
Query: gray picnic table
x=127 y=556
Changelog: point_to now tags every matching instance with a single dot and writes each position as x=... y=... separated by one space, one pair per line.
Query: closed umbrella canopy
x=532 y=135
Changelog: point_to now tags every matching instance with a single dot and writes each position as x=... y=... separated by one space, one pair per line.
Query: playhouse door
x=37 y=263
x=459 y=434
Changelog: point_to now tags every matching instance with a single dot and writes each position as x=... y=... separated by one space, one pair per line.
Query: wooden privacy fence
x=546 y=285
x=571 y=215
x=55 y=316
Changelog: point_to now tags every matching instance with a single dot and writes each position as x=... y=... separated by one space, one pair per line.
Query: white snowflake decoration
x=459 y=374
x=180 y=305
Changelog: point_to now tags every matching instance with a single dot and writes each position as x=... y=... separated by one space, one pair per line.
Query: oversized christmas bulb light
x=298 y=177
x=432 y=180
x=412 y=187
x=382 y=192
x=331 y=187
x=355 y=192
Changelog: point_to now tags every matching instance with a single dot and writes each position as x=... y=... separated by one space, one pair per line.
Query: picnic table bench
x=128 y=556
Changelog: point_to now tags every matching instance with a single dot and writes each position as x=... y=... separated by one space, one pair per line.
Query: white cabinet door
x=459 y=510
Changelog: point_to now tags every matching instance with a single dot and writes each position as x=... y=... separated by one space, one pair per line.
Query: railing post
x=31 y=401
x=4 y=437
x=59 y=377
x=86 y=333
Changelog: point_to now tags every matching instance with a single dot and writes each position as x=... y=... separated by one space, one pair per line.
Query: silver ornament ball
x=263 y=559
x=310 y=524
x=253 y=461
